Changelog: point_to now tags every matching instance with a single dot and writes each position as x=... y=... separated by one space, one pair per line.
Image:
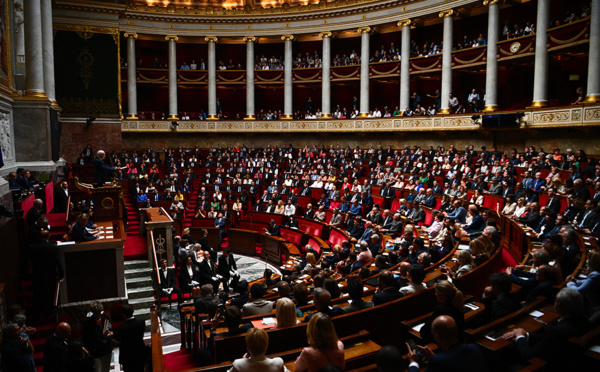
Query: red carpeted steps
x=135 y=244
x=180 y=361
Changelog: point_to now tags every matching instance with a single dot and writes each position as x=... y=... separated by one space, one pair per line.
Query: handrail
x=154 y=255
x=158 y=364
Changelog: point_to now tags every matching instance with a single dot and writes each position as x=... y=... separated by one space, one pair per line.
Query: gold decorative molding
x=492 y=2
x=35 y=95
x=130 y=35
x=287 y=37
x=447 y=13
x=173 y=117
x=538 y=104
x=326 y=34
x=211 y=39
x=247 y=39
x=86 y=29
x=405 y=23
x=366 y=29
x=172 y=38
x=592 y=98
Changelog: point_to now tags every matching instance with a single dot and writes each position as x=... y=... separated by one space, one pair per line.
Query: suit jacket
x=240 y=300
x=454 y=359
x=387 y=192
x=207 y=271
x=554 y=204
x=417 y=215
x=185 y=280
x=100 y=170
x=429 y=201
x=32 y=216
x=201 y=304
x=501 y=306
x=60 y=201
x=552 y=345
x=387 y=295
x=169 y=281
x=132 y=350
x=55 y=354
x=226 y=265
x=274 y=230
x=459 y=214
x=531 y=219
x=477 y=224
x=80 y=234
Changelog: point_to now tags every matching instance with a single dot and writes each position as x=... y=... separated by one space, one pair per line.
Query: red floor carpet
x=135 y=248
x=179 y=361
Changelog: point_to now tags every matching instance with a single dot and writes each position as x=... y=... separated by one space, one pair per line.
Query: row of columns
x=39 y=51
x=540 y=93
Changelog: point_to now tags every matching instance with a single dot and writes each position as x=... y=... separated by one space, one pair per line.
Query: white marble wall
x=7 y=141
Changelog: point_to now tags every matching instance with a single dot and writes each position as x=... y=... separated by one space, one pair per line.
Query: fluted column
x=172 y=76
x=288 y=58
x=250 y=113
x=48 y=51
x=491 y=75
x=447 y=60
x=131 y=76
x=365 y=54
x=212 y=77
x=540 y=77
x=326 y=75
x=593 y=83
x=405 y=64
x=34 y=59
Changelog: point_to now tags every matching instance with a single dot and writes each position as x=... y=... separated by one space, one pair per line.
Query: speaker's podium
x=95 y=270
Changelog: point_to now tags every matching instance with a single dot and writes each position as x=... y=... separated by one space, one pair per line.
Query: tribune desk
x=158 y=226
x=94 y=269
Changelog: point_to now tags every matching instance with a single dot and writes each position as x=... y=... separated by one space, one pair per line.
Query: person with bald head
x=56 y=349
x=452 y=355
x=322 y=300
x=101 y=169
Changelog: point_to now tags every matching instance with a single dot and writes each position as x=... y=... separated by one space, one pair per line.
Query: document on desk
x=418 y=327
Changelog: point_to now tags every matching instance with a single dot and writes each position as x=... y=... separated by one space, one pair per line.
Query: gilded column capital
x=249 y=39
x=130 y=35
x=326 y=34
x=492 y=2
x=287 y=37
x=405 y=23
x=171 y=38
x=363 y=30
x=211 y=39
x=447 y=13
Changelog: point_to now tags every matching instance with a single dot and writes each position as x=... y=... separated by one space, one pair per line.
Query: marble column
x=540 y=77
x=365 y=54
x=326 y=75
x=288 y=58
x=172 y=76
x=131 y=76
x=48 y=51
x=446 y=60
x=405 y=64
x=212 y=78
x=34 y=58
x=491 y=75
x=250 y=113
x=593 y=83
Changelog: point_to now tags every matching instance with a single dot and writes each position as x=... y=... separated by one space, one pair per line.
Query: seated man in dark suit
x=273 y=229
x=452 y=355
x=497 y=298
x=552 y=345
x=79 y=233
x=243 y=289
x=386 y=292
x=227 y=268
x=202 y=302
x=166 y=284
x=208 y=272
x=322 y=299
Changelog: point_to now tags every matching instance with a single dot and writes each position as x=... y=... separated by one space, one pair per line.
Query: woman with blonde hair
x=450 y=303
x=324 y=349
x=285 y=313
x=521 y=208
x=257 y=342
x=280 y=209
x=465 y=262
x=311 y=262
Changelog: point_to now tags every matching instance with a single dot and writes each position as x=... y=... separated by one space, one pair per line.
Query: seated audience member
x=497 y=297
x=464 y=265
x=256 y=304
x=17 y=350
x=201 y=303
x=79 y=232
x=450 y=303
x=324 y=349
x=553 y=345
x=355 y=291
x=390 y=359
x=387 y=291
x=415 y=277
x=189 y=276
x=322 y=299
x=590 y=286
x=257 y=342
x=233 y=322
x=244 y=294
x=166 y=282
x=452 y=355
x=285 y=312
